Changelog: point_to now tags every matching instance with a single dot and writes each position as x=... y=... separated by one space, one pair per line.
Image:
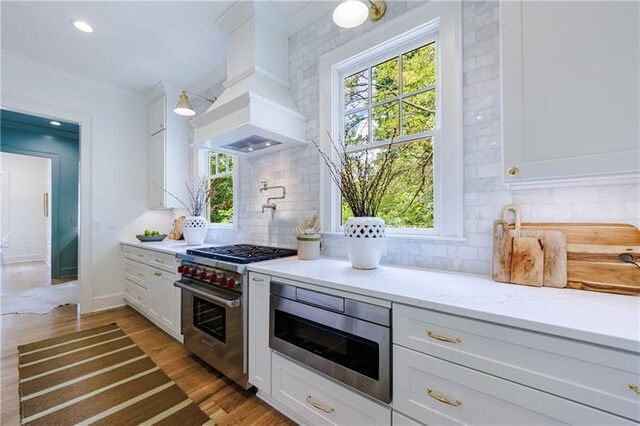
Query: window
x=394 y=101
x=220 y=168
x=400 y=83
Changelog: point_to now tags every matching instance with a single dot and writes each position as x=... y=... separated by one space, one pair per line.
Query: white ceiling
x=134 y=44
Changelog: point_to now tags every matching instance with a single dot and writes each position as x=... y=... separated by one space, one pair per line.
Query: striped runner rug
x=98 y=376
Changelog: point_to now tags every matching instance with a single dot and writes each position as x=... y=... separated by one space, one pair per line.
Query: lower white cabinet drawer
x=134 y=271
x=398 y=419
x=592 y=375
x=321 y=401
x=135 y=253
x=435 y=392
x=165 y=261
x=135 y=294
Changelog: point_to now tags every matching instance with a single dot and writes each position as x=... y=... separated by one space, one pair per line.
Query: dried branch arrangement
x=364 y=177
x=198 y=195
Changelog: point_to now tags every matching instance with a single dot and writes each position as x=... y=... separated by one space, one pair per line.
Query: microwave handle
x=234 y=303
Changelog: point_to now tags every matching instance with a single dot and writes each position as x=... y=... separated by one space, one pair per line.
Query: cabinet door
x=170 y=315
x=570 y=90
x=157 y=116
x=157 y=171
x=155 y=293
x=259 y=352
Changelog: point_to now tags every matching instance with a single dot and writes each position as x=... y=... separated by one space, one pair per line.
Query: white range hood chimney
x=256 y=112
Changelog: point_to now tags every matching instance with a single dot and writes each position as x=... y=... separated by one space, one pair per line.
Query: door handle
x=442 y=398
x=319 y=406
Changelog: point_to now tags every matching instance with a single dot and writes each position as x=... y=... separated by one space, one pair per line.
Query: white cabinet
x=148 y=287
x=158 y=116
x=571 y=92
x=168 y=150
x=318 y=400
x=504 y=375
x=258 y=340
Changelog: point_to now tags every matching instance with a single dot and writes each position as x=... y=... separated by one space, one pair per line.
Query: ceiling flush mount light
x=82 y=26
x=55 y=123
x=184 y=107
x=351 y=13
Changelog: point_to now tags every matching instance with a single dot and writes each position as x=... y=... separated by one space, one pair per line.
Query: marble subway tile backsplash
x=484 y=193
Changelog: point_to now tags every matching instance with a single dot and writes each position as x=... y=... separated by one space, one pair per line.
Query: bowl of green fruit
x=151 y=235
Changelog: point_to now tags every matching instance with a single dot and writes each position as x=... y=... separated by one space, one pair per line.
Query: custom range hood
x=256 y=112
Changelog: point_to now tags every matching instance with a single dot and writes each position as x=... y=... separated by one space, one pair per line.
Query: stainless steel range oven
x=346 y=339
x=213 y=282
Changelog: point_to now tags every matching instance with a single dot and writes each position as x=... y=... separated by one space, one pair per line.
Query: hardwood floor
x=17 y=277
x=224 y=401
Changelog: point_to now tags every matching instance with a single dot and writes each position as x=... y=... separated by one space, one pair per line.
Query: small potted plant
x=308 y=232
x=363 y=179
x=199 y=194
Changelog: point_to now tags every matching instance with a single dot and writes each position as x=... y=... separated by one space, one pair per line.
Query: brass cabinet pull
x=159 y=261
x=442 y=338
x=442 y=398
x=634 y=388
x=319 y=406
x=158 y=274
x=258 y=280
x=513 y=171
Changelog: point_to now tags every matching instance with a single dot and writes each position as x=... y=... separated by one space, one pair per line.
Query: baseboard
x=68 y=271
x=108 y=301
x=24 y=258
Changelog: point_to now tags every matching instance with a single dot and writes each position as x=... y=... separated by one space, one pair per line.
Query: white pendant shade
x=350 y=14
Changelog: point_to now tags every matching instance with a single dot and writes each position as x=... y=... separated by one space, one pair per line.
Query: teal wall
x=29 y=135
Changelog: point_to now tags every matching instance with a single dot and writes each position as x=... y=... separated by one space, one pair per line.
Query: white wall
x=484 y=192
x=23 y=204
x=117 y=173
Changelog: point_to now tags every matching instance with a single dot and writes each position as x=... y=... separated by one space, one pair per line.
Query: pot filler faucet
x=269 y=204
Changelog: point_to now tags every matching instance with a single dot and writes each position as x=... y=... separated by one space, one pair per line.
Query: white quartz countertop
x=165 y=246
x=600 y=318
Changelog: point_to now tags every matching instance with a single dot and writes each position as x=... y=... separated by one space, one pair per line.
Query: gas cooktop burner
x=242 y=253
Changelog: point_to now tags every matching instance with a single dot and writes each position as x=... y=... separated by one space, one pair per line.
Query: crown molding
x=48 y=68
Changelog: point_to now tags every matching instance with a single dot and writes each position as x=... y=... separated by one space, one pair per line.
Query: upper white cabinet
x=158 y=116
x=570 y=90
x=168 y=149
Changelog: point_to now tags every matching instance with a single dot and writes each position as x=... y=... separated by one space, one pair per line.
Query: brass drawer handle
x=634 y=388
x=442 y=398
x=442 y=338
x=319 y=406
x=158 y=274
x=258 y=280
x=159 y=261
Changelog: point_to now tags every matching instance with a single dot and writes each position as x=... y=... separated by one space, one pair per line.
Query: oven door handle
x=234 y=303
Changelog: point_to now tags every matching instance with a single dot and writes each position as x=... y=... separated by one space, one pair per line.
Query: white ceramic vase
x=308 y=247
x=365 y=240
x=194 y=230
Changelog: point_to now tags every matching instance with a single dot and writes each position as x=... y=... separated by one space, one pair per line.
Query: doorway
x=39 y=166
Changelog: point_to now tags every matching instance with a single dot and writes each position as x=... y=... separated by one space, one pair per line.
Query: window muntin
x=396 y=98
x=220 y=168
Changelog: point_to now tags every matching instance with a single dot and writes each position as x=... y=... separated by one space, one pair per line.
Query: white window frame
x=435 y=21
x=202 y=157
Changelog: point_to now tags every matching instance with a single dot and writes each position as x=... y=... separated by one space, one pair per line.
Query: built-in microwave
x=346 y=339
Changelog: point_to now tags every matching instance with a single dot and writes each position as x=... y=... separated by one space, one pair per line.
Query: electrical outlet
x=97 y=225
x=111 y=225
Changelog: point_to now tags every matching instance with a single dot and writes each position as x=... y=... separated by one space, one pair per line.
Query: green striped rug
x=98 y=376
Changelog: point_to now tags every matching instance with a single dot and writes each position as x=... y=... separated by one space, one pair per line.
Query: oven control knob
x=231 y=283
x=180 y=269
x=194 y=272
x=203 y=275
x=213 y=278
x=222 y=280
x=186 y=270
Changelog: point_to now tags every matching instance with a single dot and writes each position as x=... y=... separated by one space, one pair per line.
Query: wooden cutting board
x=552 y=262
x=592 y=255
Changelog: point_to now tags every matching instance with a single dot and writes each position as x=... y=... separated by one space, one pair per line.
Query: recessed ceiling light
x=55 y=123
x=82 y=26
